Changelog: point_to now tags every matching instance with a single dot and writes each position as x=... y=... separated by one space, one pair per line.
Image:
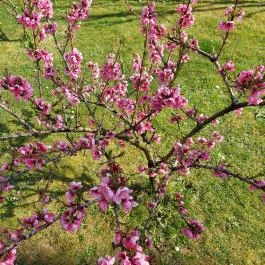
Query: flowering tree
x=130 y=103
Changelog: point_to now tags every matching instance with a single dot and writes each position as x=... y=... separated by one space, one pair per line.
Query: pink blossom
x=202 y=118
x=228 y=10
x=152 y=205
x=86 y=142
x=49 y=72
x=137 y=63
x=103 y=193
x=31 y=222
x=215 y=122
x=123 y=258
x=71 y=219
x=130 y=242
x=144 y=83
x=74 y=59
x=118 y=237
x=140 y=259
x=31 y=155
x=156 y=51
x=258 y=184
x=184 y=37
x=41 y=54
x=111 y=70
x=194 y=44
x=70 y=94
x=252 y=81
x=58 y=122
x=244 y=79
x=29 y=19
x=193 y=230
x=9 y=258
x=46 y=8
x=127 y=105
x=107 y=260
x=48 y=217
x=43 y=106
x=4 y=167
x=16 y=235
x=5 y=185
x=165 y=75
x=185 y=58
x=123 y=197
x=48 y=29
x=217 y=137
x=179 y=196
x=149 y=242
x=94 y=70
x=166 y=97
x=156 y=32
x=255 y=97
x=186 y=16
x=240 y=15
x=239 y=111
x=184 y=9
x=70 y=195
x=78 y=12
x=75 y=186
x=186 y=21
x=149 y=15
x=229 y=66
x=144 y=127
x=182 y=211
x=226 y=26
x=18 y=86
x=220 y=172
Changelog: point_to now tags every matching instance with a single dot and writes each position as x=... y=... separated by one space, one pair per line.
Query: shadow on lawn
x=125 y=17
x=4 y=37
x=30 y=185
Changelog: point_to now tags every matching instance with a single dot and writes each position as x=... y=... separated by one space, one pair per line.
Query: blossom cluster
x=231 y=13
x=133 y=252
x=191 y=152
x=186 y=19
x=193 y=227
x=34 y=12
x=78 y=12
x=168 y=98
x=10 y=257
x=31 y=155
x=72 y=218
x=40 y=55
x=18 y=86
x=73 y=59
x=253 y=82
x=107 y=195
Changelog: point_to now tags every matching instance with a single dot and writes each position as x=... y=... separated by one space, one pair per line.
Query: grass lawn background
x=234 y=217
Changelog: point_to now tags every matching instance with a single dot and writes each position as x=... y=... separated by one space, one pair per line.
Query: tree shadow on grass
x=29 y=185
x=4 y=37
x=125 y=16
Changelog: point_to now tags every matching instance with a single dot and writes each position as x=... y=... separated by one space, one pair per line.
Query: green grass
x=234 y=218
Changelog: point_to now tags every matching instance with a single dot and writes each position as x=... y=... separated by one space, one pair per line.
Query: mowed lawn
x=234 y=217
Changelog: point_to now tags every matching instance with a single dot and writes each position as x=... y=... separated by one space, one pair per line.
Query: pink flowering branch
x=43 y=227
x=208 y=121
x=227 y=172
